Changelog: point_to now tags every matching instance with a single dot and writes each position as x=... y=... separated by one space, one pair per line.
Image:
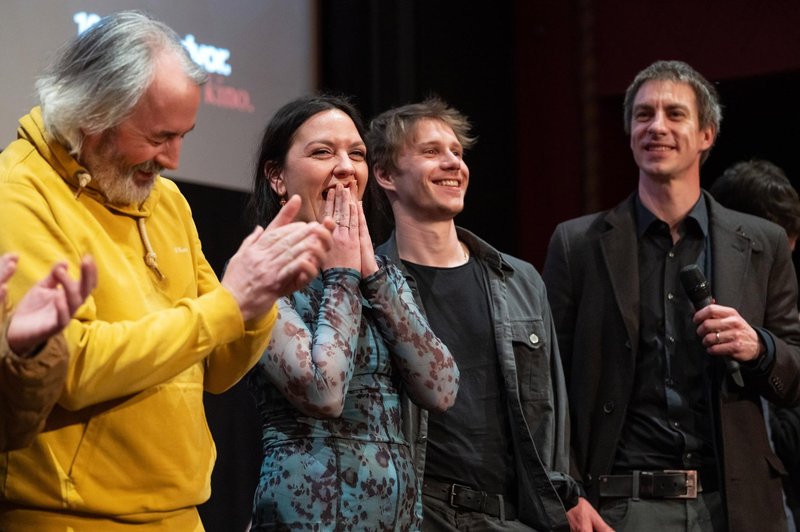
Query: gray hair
x=709 y=110
x=96 y=80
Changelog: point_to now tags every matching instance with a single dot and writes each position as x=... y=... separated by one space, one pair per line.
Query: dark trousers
x=438 y=515
x=706 y=513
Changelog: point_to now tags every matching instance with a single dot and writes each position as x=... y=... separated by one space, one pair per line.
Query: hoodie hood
x=31 y=128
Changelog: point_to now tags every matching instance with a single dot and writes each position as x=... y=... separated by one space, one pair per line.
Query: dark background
x=542 y=82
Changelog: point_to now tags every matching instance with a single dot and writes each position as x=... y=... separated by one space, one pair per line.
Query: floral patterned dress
x=345 y=344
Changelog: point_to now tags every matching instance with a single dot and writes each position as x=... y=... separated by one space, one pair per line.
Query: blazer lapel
x=730 y=252
x=619 y=247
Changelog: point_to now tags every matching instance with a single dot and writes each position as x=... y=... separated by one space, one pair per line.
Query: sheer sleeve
x=310 y=357
x=426 y=366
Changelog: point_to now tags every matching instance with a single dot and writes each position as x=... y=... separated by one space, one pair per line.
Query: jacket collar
x=620 y=253
x=477 y=246
x=730 y=250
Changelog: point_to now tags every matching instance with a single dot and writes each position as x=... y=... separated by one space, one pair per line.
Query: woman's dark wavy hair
x=278 y=136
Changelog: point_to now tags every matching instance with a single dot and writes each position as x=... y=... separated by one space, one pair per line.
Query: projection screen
x=259 y=54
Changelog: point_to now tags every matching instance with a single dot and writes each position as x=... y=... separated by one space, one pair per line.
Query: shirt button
x=676 y=424
x=671 y=339
x=671 y=254
x=670 y=296
x=533 y=338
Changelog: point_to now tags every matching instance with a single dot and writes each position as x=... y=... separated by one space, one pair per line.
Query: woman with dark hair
x=328 y=385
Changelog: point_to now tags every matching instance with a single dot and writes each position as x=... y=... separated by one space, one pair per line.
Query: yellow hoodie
x=128 y=441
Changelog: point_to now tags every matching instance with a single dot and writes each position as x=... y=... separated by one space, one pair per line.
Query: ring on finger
x=719 y=340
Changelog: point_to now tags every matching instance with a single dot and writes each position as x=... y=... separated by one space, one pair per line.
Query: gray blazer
x=592 y=278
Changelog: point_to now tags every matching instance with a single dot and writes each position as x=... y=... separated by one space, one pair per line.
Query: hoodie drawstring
x=150 y=258
x=83 y=181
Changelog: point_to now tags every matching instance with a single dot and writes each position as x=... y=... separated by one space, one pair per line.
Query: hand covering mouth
x=324 y=193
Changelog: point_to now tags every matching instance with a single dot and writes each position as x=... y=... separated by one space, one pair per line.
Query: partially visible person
x=33 y=354
x=665 y=399
x=761 y=188
x=127 y=446
x=498 y=459
x=328 y=385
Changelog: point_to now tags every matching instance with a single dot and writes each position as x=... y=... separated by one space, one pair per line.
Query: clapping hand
x=47 y=308
x=277 y=261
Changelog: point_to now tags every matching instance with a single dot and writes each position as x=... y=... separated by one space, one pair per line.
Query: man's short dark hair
x=760 y=188
x=709 y=110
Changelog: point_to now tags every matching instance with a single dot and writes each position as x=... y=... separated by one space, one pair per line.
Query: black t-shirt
x=469 y=444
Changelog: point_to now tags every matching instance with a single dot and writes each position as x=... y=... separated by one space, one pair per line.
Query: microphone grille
x=691 y=276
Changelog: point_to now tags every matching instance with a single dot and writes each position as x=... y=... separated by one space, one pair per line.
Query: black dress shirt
x=669 y=423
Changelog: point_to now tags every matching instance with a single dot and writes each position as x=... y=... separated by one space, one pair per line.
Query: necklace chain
x=464 y=251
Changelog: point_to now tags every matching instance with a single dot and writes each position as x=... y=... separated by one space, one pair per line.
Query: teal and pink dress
x=345 y=344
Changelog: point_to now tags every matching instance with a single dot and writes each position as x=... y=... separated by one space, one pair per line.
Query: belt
x=460 y=496
x=667 y=484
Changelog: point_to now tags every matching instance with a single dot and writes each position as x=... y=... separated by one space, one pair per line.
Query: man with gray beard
x=127 y=444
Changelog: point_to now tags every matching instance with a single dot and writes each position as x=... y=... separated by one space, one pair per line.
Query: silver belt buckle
x=691 y=482
x=453 y=493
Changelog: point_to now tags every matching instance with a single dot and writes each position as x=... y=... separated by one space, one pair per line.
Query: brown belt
x=667 y=484
x=464 y=497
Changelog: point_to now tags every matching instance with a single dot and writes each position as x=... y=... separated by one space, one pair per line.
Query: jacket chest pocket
x=532 y=356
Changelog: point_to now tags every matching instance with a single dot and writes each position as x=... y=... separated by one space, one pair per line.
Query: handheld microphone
x=699 y=291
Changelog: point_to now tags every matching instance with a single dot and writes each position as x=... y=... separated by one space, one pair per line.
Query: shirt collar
x=644 y=218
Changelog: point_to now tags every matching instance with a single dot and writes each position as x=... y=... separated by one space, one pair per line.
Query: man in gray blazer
x=663 y=435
